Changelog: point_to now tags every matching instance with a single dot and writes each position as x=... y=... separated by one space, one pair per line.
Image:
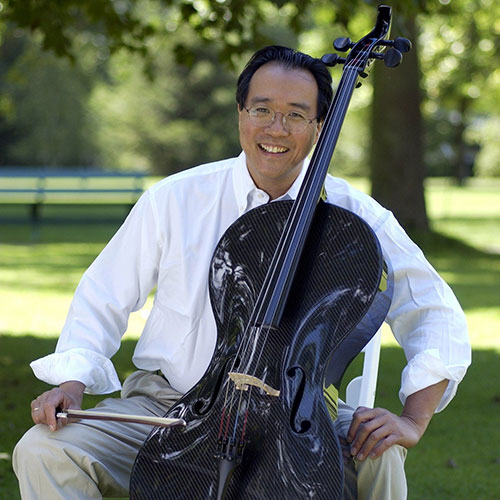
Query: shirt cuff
x=426 y=369
x=92 y=369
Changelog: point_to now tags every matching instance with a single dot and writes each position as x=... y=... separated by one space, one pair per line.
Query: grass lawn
x=459 y=457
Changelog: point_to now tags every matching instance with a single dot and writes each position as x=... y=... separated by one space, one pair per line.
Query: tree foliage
x=236 y=25
x=58 y=22
x=185 y=116
x=43 y=107
x=460 y=61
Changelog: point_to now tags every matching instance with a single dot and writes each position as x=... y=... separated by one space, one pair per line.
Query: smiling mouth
x=269 y=148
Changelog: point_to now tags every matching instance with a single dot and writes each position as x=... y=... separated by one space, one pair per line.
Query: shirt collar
x=249 y=196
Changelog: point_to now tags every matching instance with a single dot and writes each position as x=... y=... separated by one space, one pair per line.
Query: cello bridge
x=242 y=381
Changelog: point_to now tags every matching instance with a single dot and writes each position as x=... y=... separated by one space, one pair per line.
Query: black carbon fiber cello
x=291 y=284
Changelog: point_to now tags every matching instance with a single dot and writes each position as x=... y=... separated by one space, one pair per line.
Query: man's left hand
x=374 y=430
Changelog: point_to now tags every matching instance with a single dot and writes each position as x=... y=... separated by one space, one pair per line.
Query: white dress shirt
x=168 y=240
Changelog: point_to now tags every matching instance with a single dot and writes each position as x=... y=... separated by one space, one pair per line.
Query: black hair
x=289 y=58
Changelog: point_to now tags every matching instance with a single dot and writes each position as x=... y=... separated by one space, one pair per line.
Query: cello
x=291 y=285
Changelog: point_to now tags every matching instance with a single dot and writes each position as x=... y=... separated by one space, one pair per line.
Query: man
x=167 y=241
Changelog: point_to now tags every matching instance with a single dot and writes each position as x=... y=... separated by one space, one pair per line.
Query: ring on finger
x=36 y=408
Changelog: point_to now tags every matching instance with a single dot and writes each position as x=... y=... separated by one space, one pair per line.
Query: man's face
x=274 y=155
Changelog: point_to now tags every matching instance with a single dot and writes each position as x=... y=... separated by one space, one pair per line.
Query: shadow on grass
x=69 y=232
x=459 y=457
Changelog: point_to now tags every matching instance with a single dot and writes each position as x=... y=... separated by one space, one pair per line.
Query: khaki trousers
x=90 y=459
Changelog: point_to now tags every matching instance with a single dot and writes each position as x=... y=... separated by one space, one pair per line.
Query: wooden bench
x=38 y=187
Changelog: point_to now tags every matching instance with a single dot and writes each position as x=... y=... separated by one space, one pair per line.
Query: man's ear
x=240 y=110
x=319 y=126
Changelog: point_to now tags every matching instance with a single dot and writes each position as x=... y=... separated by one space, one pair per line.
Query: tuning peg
x=402 y=44
x=392 y=58
x=399 y=43
x=332 y=60
x=342 y=44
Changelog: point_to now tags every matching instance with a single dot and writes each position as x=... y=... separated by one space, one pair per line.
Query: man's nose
x=278 y=126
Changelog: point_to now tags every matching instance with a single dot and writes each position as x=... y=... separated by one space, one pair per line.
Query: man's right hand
x=44 y=407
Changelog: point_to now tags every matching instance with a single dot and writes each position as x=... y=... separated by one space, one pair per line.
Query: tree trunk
x=464 y=153
x=397 y=166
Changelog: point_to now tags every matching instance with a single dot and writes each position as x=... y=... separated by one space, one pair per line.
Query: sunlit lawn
x=459 y=458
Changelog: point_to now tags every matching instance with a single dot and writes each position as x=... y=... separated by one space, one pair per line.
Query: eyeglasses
x=264 y=116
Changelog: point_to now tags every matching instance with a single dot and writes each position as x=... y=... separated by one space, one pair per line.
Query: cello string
x=349 y=82
x=292 y=228
x=332 y=122
x=246 y=340
x=238 y=411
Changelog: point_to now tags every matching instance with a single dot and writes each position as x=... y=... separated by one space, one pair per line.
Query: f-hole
x=299 y=383
x=203 y=405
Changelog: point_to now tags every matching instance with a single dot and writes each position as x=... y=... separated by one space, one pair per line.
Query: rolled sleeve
x=427 y=369
x=91 y=368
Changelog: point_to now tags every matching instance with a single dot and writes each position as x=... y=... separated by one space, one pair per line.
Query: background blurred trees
x=461 y=68
x=183 y=117
x=141 y=108
x=43 y=107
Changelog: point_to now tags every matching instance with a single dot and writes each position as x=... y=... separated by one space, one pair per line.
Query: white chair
x=361 y=390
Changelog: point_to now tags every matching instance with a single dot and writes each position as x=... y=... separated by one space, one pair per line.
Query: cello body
x=290 y=449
